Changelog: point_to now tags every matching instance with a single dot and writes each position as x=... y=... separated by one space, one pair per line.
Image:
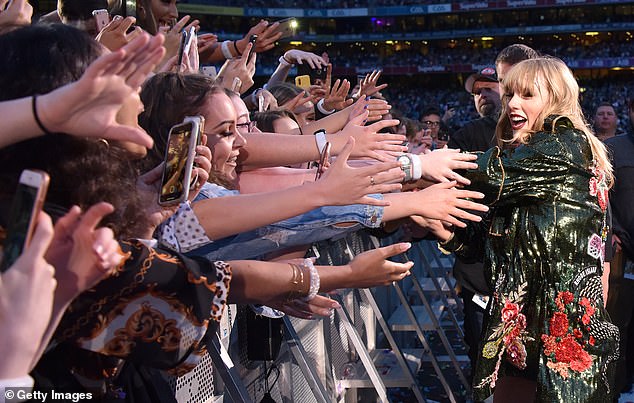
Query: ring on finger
x=372 y=183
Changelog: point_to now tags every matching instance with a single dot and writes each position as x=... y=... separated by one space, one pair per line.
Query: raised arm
x=340 y=185
x=269 y=149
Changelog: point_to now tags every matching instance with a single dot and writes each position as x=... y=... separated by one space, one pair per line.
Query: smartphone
x=179 y=162
x=303 y=81
x=25 y=208
x=323 y=159
x=186 y=42
x=102 y=18
x=315 y=74
x=253 y=39
x=288 y=27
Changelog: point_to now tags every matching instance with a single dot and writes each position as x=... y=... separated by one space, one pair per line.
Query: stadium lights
x=294 y=24
x=389 y=42
x=592 y=33
x=295 y=43
x=487 y=38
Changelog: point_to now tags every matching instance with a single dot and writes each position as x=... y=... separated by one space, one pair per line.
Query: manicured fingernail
x=365 y=107
x=335 y=305
x=367 y=98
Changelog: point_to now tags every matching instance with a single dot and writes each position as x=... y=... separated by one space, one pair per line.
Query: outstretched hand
x=439 y=165
x=445 y=202
x=89 y=106
x=370 y=143
x=371 y=268
x=343 y=184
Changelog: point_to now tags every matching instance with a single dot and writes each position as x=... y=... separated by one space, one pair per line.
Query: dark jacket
x=622 y=194
x=477 y=135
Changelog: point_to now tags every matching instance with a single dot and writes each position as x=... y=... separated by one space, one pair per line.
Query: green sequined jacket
x=543 y=248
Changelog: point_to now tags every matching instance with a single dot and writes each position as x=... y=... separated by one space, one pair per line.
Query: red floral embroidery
x=563 y=345
x=599 y=187
x=510 y=311
x=509 y=337
x=559 y=324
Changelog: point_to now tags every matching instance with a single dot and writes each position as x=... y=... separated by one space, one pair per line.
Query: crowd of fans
x=149 y=230
x=320 y=3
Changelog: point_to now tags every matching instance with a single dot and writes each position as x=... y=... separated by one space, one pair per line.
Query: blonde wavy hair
x=551 y=75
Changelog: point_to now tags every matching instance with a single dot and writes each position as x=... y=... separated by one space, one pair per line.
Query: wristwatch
x=406 y=166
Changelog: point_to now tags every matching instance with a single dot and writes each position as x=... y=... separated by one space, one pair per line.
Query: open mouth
x=517 y=122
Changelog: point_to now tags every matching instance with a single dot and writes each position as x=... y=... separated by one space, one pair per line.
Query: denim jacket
x=183 y=232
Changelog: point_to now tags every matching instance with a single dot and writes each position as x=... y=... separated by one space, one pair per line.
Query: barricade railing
x=334 y=359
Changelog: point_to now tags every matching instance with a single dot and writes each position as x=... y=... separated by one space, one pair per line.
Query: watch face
x=404 y=160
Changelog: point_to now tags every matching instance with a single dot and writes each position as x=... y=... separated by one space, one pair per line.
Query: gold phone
x=303 y=82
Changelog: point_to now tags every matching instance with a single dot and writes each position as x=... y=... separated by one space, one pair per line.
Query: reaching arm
x=340 y=185
x=269 y=149
x=262 y=282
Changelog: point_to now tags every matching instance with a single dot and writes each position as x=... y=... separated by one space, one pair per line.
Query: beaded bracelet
x=314 y=280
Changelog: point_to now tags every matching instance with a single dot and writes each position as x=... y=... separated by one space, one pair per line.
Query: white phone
x=25 y=208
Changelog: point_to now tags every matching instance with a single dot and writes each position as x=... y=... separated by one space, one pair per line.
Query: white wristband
x=417 y=166
x=320 y=139
x=284 y=62
x=322 y=109
x=226 y=52
x=314 y=280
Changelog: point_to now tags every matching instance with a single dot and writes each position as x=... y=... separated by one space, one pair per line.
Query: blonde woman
x=549 y=338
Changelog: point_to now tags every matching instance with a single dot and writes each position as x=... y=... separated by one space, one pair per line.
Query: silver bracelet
x=314 y=280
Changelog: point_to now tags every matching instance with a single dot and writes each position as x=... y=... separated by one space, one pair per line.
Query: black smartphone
x=25 y=208
x=179 y=162
x=323 y=159
x=315 y=75
x=253 y=39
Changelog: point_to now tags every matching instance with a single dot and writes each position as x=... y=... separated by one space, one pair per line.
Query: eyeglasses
x=247 y=126
x=430 y=123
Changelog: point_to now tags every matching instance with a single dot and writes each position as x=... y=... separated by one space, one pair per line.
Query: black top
x=477 y=135
x=622 y=194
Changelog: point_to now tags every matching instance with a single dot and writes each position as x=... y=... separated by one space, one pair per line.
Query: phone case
x=102 y=18
x=179 y=162
x=303 y=81
x=26 y=206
